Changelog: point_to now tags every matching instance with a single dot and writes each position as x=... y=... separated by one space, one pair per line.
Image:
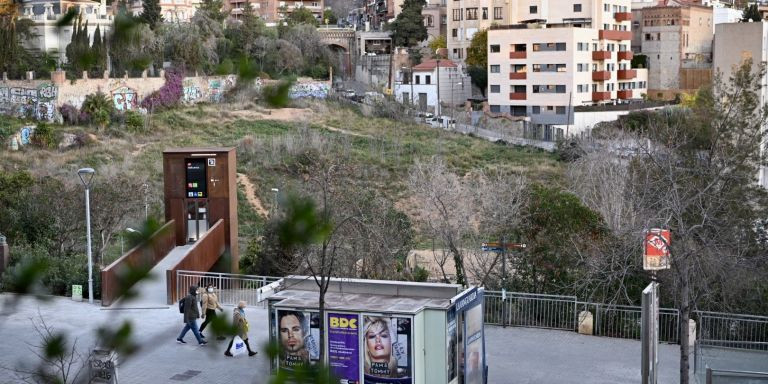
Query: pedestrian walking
x=239 y=321
x=209 y=305
x=191 y=314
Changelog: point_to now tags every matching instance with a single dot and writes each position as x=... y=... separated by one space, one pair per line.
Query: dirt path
x=250 y=194
x=344 y=131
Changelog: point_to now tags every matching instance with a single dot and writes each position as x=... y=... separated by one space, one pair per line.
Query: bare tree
x=59 y=362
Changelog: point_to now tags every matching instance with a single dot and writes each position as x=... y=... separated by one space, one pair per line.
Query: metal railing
x=530 y=310
x=717 y=376
x=231 y=288
x=733 y=330
x=625 y=321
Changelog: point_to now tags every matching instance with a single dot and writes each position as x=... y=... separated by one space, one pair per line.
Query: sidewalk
x=514 y=355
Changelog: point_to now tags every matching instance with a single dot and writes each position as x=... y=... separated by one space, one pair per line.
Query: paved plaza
x=515 y=355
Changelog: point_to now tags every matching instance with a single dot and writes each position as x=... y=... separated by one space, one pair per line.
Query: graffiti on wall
x=216 y=90
x=305 y=90
x=192 y=92
x=125 y=98
x=34 y=103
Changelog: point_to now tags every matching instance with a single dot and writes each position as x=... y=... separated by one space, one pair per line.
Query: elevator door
x=197 y=219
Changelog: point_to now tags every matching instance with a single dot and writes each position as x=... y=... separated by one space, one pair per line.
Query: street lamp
x=145 y=187
x=129 y=230
x=86 y=176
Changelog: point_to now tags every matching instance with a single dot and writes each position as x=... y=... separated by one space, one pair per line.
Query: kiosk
x=380 y=332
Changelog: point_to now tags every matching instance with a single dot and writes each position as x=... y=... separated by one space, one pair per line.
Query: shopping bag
x=238 y=346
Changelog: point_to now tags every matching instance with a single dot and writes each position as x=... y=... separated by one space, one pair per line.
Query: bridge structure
x=343 y=43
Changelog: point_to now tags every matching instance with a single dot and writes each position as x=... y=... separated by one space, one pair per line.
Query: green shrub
x=134 y=121
x=45 y=136
x=419 y=274
x=97 y=109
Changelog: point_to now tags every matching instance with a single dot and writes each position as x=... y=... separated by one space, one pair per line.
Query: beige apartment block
x=735 y=43
x=559 y=57
x=678 y=44
x=467 y=17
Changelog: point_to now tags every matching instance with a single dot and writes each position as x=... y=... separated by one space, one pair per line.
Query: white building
x=735 y=43
x=48 y=37
x=431 y=82
x=562 y=54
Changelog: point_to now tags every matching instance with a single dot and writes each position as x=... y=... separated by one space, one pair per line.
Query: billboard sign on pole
x=656 y=249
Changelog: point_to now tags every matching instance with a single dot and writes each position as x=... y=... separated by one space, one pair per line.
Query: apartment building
x=467 y=17
x=432 y=82
x=734 y=43
x=272 y=11
x=677 y=41
x=561 y=54
x=173 y=11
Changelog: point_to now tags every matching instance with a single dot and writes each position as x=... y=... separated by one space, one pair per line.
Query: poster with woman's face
x=298 y=338
x=386 y=350
x=474 y=353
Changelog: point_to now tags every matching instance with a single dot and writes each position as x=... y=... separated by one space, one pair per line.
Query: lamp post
x=86 y=176
x=145 y=187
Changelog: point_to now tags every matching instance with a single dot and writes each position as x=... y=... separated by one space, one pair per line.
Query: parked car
x=349 y=93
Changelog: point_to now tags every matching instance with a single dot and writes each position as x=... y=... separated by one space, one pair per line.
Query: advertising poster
x=298 y=334
x=453 y=347
x=386 y=350
x=344 y=347
x=474 y=351
x=196 y=180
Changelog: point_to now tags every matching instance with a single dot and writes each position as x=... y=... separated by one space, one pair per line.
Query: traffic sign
x=495 y=246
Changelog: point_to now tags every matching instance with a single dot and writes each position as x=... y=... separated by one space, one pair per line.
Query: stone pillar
x=58 y=77
x=30 y=75
x=105 y=75
x=144 y=74
x=5 y=76
x=85 y=75
x=691 y=333
x=586 y=323
x=5 y=254
x=125 y=76
x=162 y=73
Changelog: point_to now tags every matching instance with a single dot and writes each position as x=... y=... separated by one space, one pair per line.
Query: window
x=582 y=47
x=517 y=110
x=485 y=13
x=443 y=19
x=457 y=15
x=543 y=47
x=495 y=48
x=454 y=32
x=495 y=68
x=535 y=109
x=495 y=88
x=606 y=8
x=577 y=7
x=549 y=88
x=428 y=79
x=418 y=79
x=471 y=13
x=648 y=37
x=517 y=47
x=497 y=13
x=560 y=110
x=535 y=9
x=495 y=108
x=430 y=21
x=518 y=68
x=560 y=89
x=518 y=88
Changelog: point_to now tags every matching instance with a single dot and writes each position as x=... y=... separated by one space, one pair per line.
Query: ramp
x=152 y=291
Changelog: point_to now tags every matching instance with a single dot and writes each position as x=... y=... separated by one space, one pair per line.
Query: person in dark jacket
x=191 y=314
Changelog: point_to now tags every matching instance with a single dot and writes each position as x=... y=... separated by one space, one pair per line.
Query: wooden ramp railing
x=201 y=257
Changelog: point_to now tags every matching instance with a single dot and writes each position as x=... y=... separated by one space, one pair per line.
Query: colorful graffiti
x=34 y=103
x=192 y=92
x=125 y=98
x=305 y=90
x=216 y=91
x=26 y=134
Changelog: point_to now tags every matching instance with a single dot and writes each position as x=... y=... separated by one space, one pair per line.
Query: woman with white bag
x=239 y=342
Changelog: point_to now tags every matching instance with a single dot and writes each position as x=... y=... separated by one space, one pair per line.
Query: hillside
x=270 y=142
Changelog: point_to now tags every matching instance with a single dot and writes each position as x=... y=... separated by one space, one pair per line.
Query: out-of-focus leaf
x=66 y=19
x=277 y=95
x=55 y=346
x=302 y=225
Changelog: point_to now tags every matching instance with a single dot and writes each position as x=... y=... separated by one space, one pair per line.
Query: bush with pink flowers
x=168 y=95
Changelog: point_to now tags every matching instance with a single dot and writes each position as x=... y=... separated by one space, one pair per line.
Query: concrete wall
x=41 y=99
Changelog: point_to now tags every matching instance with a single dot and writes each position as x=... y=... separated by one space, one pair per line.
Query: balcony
x=517 y=95
x=601 y=55
x=626 y=74
x=625 y=55
x=622 y=16
x=518 y=75
x=624 y=94
x=601 y=75
x=601 y=96
x=518 y=55
x=605 y=34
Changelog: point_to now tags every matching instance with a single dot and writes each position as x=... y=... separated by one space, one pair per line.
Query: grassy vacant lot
x=270 y=142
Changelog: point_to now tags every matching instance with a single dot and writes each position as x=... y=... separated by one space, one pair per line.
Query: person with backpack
x=188 y=306
x=209 y=304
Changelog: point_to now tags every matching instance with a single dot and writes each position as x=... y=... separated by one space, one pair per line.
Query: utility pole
x=437 y=107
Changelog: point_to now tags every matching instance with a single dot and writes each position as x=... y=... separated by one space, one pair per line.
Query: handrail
x=145 y=255
x=201 y=257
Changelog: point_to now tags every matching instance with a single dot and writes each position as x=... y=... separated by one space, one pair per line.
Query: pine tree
x=213 y=9
x=408 y=29
x=751 y=13
x=150 y=14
